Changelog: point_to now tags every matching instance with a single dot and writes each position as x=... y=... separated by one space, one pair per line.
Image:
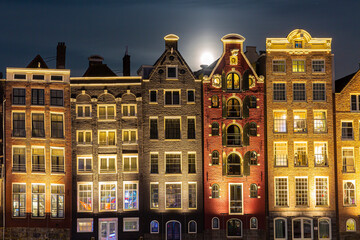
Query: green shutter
x=247 y=164
x=223 y=133
x=246 y=141
x=246 y=106
x=223 y=164
x=223 y=106
x=223 y=81
x=245 y=85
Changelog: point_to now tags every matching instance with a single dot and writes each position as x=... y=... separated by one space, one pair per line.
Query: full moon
x=206 y=58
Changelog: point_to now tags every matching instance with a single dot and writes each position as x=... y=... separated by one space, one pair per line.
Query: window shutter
x=247 y=164
x=246 y=106
x=223 y=132
x=223 y=81
x=246 y=134
x=245 y=85
x=223 y=106
x=223 y=165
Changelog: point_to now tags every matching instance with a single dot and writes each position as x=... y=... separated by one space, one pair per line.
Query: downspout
x=3 y=168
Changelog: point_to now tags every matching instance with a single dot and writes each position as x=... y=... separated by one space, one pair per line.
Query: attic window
x=38 y=77
x=56 y=78
x=298 y=44
x=171 y=72
x=19 y=76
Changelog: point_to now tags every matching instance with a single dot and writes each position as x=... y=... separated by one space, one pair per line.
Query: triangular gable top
x=37 y=62
x=346 y=81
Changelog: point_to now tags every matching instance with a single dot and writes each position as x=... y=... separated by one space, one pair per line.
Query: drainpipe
x=3 y=169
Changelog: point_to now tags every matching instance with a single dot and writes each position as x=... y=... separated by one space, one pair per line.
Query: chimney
x=60 y=55
x=95 y=60
x=171 y=41
x=126 y=63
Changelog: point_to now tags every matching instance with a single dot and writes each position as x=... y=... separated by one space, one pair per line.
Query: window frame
x=187 y=96
x=156 y=96
x=84 y=220
x=32 y=167
x=32 y=206
x=32 y=124
x=286 y=228
x=192 y=221
x=257 y=224
x=189 y=133
x=302 y=227
x=129 y=142
x=346 y=190
x=196 y=197
x=353 y=158
x=64 y=203
x=151 y=196
x=297 y=92
x=327 y=190
x=12 y=124
x=241 y=227
x=38 y=99
x=214 y=192
x=12 y=158
x=283 y=64
x=346 y=223
x=301 y=190
x=107 y=131
x=158 y=227
x=130 y=156
x=275 y=99
x=84 y=143
x=212 y=223
x=57 y=98
x=329 y=221
x=128 y=106
x=347 y=138
x=157 y=128
x=195 y=162
x=319 y=119
x=181 y=192
x=312 y=66
x=83 y=106
x=63 y=125
x=287 y=192
x=172 y=98
x=181 y=163
x=84 y=157
x=151 y=163
x=107 y=157
x=12 y=200
x=180 y=128
x=242 y=199
x=137 y=195
x=18 y=96
x=116 y=196
x=298 y=113
x=296 y=66
x=282 y=125
x=107 y=118
x=300 y=144
x=313 y=91
x=176 y=71
x=92 y=196
x=51 y=164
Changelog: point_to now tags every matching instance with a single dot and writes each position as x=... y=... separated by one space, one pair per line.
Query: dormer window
x=171 y=72
x=298 y=44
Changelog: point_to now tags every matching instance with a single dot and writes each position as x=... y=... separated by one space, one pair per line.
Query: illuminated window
x=300 y=154
x=215 y=158
x=253 y=223
x=320 y=154
x=298 y=66
x=173 y=195
x=279 y=66
x=38 y=128
x=348 y=160
x=83 y=111
x=154 y=195
x=107 y=196
x=107 y=137
x=320 y=121
x=300 y=121
x=129 y=110
x=192 y=196
x=280 y=228
x=107 y=164
x=301 y=191
x=130 y=163
x=233 y=81
x=215 y=191
x=191 y=128
x=19 y=159
x=172 y=97
x=56 y=97
x=154 y=163
x=85 y=225
x=131 y=198
x=38 y=159
x=319 y=93
x=279 y=92
x=84 y=164
x=85 y=197
x=280 y=121
x=215 y=223
x=355 y=102
x=349 y=193
x=299 y=92
x=108 y=228
x=215 y=129
x=38 y=200
x=318 y=66
x=192 y=162
x=172 y=128
x=154 y=128
x=191 y=96
x=19 y=199
x=19 y=96
x=253 y=190
x=233 y=164
x=281 y=191
x=153 y=96
x=173 y=163
x=324 y=228
x=322 y=191
x=106 y=112
x=233 y=135
x=302 y=228
x=192 y=227
x=84 y=137
x=57 y=160
x=233 y=108
x=57 y=126
x=347 y=131
x=214 y=101
x=57 y=201
x=280 y=154
x=234 y=228
x=171 y=72
x=235 y=198
x=130 y=225
x=298 y=44
x=350 y=225
x=18 y=125
x=37 y=97
x=129 y=136
x=154 y=226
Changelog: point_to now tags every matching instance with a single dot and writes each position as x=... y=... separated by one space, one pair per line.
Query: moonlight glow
x=206 y=58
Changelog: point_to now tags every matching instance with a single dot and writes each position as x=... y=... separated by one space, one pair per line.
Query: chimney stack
x=1 y=75
x=60 y=55
x=171 y=41
x=126 y=63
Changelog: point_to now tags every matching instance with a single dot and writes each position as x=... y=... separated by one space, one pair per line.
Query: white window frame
x=275 y=195
x=12 y=199
x=172 y=97
x=130 y=142
x=151 y=232
x=307 y=191
x=177 y=72
x=181 y=159
x=84 y=157
x=287 y=156
x=137 y=195
x=100 y=156
x=107 y=137
x=130 y=156
x=242 y=199
x=92 y=195
x=286 y=228
x=328 y=190
x=189 y=227
x=85 y=220
x=38 y=172
x=43 y=217
x=353 y=182
x=302 y=228
x=116 y=197
x=64 y=207
x=354 y=225
x=128 y=110
x=135 y=219
x=181 y=192
x=108 y=220
x=12 y=159
x=84 y=136
x=83 y=107
x=62 y=148
x=106 y=112
x=325 y=218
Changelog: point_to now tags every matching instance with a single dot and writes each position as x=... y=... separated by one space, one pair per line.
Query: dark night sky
x=106 y=27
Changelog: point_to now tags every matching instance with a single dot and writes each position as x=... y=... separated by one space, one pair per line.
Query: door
x=108 y=229
x=173 y=230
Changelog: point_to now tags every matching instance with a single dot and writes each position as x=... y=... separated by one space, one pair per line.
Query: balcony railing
x=57 y=168
x=321 y=160
x=19 y=167
x=300 y=160
x=38 y=167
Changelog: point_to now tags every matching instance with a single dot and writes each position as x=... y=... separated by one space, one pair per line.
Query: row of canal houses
x=253 y=146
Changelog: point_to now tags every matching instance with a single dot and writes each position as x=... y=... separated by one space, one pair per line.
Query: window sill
x=38 y=138
x=107 y=146
x=18 y=172
x=279 y=73
x=172 y=105
x=84 y=173
x=41 y=173
x=129 y=117
x=84 y=118
x=173 y=140
x=106 y=120
x=84 y=145
x=108 y=172
x=349 y=206
x=58 y=173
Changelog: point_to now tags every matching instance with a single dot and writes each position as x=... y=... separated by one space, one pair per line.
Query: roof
x=37 y=62
x=341 y=83
x=206 y=70
x=99 y=70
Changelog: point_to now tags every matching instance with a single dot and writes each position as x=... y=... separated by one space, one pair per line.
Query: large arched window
x=280 y=228
x=215 y=223
x=173 y=230
x=215 y=191
x=349 y=193
x=214 y=101
x=215 y=158
x=192 y=227
x=154 y=226
x=253 y=223
x=233 y=164
x=233 y=109
x=350 y=225
x=233 y=136
x=233 y=81
x=253 y=190
x=234 y=228
x=302 y=228
x=253 y=158
x=324 y=228
x=215 y=129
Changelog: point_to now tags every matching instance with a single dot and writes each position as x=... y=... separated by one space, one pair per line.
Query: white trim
x=158 y=229
x=212 y=223
x=131 y=219
x=286 y=228
x=84 y=220
x=116 y=199
x=302 y=227
x=242 y=199
x=92 y=195
x=189 y=227
x=107 y=221
x=330 y=232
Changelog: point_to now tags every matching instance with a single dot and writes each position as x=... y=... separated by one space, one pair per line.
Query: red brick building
x=234 y=146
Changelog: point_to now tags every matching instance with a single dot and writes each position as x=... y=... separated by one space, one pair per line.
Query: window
x=129 y=110
x=253 y=129
x=173 y=230
x=214 y=101
x=298 y=44
x=107 y=164
x=235 y=198
x=192 y=196
x=300 y=154
x=19 y=125
x=154 y=128
x=322 y=191
x=108 y=228
x=215 y=191
x=173 y=195
x=279 y=92
x=280 y=228
x=253 y=223
x=172 y=97
x=233 y=108
x=131 y=224
x=85 y=197
x=324 y=228
x=320 y=121
x=234 y=228
x=280 y=154
x=279 y=66
x=38 y=77
x=38 y=128
x=154 y=226
x=172 y=128
x=84 y=164
x=253 y=190
x=38 y=200
x=350 y=225
x=301 y=191
x=348 y=160
x=171 y=72
x=153 y=96
x=57 y=201
x=37 y=97
x=318 y=66
x=20 y=76
x=281 y=191
x=191 y=96
x=56 y=97
x=84 y=137
x=57 y=160
x=298 y=66
x=130 y=163
x=233 y=164
x=173 y=163
x=233 y=136
x=233 y=81
x=154 y=195
x=215 y=223
x=107 y=137
x=349 y=193
x=19 y=199
x=347 y=131
x=19 y=95
x=85 y=225
x=215 y=129
x=300 y=121
x=302 y=228
x=192 y=227
x=355 y=102
x=56 y=78
x=192 y=162
x=108 y=196
x=83 y=111
x=319 y=93
x=191 y=128
x=38 y=159
x=106 y=112
x=57 y=128
x=280 y=122
x=129 y=136
x=215 y=158
x=299 y=92
x=253 y=158
x=320 y=154
x=19 y=159
x=131 y=199
x=154 y=163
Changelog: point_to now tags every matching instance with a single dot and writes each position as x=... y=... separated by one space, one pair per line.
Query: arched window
x=215 y=158
x=349 y=193
x=350 y=225
x=233 y=81
x=324 y=228
x=234 y=228
x=253 y=158
x=280 y=228
x=173 y=230
x=154 y=226
x=302 y=228
x=253 y=129
x=215 y=191
x=253 y=223
x=214 y=101
x=192 y=228
x=253 y=190
x=252 y=102
x=233 y=164
x=233 y=136
x=215 y=129
x=215 y=223
x=233 y=108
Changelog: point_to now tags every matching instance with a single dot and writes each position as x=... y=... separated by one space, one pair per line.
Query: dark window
x=298 y=44
x=192 y=162
x=56 y=78
x=355 y=102
x=154 y=128
x=279 y=92
x=19 y=76
x=172 y=97
x=153 y=96
x=253 y=158
x=38 y=77
x=191 y=96
x=233 y=136
x=299 y=92
x=19 y=96
x=56 y=98
x=57 y=126
x=19 y=162
x=253 y=190
x=252 y=102
x=233 y=164
x=347 y=130
x=171 y=72
x=279 y=66
x=318 y=66
x=154 y=163
x=214 y=129
x=192 y=227
x=19 y=125
x=215 y=158
x=280 y=228
x=319 y=91
x=172 y=128
x=38 y=129
x=253 y=129
x=173 y=163
x=215 y=191
x=191 y=128
x=37 y=97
